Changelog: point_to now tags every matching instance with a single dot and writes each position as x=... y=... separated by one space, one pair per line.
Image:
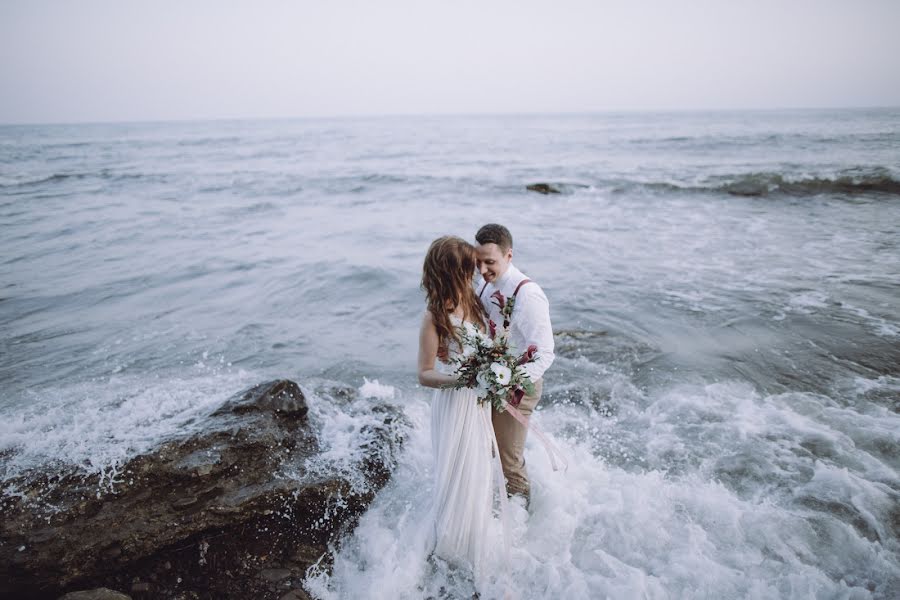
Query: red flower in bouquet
x=499 y=300
x=517 y=396
x=488 y=365
x=506 y=306
x=528 y=355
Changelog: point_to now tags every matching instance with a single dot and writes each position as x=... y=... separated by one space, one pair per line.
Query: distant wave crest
x=63 y=178
x=764 y=184
x=878 y=180
x=49 y=179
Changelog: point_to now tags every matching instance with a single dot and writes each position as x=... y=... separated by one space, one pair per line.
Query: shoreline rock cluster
x=233 y=512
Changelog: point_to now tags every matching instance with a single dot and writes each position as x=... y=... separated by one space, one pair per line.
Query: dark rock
x=543 y=188
x=275 y=574
x=182 y=503
x=748 y=189
x=282 y=397
x=39 y=537
x=307 y=555
x=97 y=594
x=218 y=512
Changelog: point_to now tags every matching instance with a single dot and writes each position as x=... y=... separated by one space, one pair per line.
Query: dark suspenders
x=518 y=287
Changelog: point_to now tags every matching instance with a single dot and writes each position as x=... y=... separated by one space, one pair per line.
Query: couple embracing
x=468 y=435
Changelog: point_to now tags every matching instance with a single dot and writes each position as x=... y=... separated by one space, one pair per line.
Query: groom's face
x=492 y=261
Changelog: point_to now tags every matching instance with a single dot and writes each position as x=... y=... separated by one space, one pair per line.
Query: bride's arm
x=428 y=349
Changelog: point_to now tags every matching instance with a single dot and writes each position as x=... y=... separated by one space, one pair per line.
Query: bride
x=462 y=436
x=451 y=544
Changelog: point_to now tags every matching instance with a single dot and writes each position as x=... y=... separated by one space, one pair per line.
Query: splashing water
x=605 y=530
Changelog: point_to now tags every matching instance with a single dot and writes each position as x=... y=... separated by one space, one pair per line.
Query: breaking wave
x=876 y=181
x=764 y=184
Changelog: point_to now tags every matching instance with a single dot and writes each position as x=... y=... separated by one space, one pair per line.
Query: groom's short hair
x=492 y=233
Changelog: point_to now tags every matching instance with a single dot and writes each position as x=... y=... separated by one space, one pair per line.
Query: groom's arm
x=533 y=318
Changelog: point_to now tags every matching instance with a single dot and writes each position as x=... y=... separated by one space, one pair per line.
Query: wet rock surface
x=543 y=188
x=240 y=510
x=555 y=188
x=97 y=594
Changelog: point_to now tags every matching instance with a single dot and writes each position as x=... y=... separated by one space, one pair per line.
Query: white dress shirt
x=530 y=321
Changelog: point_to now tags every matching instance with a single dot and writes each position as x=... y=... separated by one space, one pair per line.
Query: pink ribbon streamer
x=548 y=445
x=501 y=480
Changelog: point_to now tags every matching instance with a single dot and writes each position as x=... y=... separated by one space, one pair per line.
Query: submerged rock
x=556 y=188
x=543 y=188
x=237 y=511
x=748 y=188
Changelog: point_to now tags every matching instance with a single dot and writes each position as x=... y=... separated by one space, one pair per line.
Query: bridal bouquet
x=487 y=364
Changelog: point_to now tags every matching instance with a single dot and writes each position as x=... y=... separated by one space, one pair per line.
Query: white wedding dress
x=462 y=441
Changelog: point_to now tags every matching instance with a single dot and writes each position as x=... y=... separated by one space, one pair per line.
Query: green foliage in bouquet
x=487 y=364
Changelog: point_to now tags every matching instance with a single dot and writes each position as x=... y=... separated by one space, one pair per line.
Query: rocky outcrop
x=556 y=188
x=543 y=188
x=97 y=594
x=238 y=511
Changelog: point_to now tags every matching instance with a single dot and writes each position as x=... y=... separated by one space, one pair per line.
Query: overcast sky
x=113 y=60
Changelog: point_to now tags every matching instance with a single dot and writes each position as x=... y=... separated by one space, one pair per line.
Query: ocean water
x=724 y=289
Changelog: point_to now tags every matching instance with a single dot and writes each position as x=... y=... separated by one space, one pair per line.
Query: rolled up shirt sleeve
x=532 y=314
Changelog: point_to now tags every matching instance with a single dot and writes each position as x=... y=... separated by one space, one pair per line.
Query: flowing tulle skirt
x=462 y=440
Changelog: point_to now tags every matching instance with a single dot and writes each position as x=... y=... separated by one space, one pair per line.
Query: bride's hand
x=451 y=383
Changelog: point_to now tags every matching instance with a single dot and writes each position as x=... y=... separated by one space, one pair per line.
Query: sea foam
x=94 y=427
x=599 y=530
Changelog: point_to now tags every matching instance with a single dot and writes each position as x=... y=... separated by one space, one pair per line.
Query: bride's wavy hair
x=447 y=280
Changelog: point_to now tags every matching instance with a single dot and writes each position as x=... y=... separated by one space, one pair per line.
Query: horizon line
x=353 y=116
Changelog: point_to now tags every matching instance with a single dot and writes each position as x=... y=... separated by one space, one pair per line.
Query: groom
x=529 y=324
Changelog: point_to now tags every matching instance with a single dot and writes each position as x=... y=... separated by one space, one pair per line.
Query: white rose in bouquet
x=502 y=372
x=483 y=381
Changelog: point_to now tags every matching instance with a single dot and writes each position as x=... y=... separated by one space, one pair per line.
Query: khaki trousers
x=511 y=441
